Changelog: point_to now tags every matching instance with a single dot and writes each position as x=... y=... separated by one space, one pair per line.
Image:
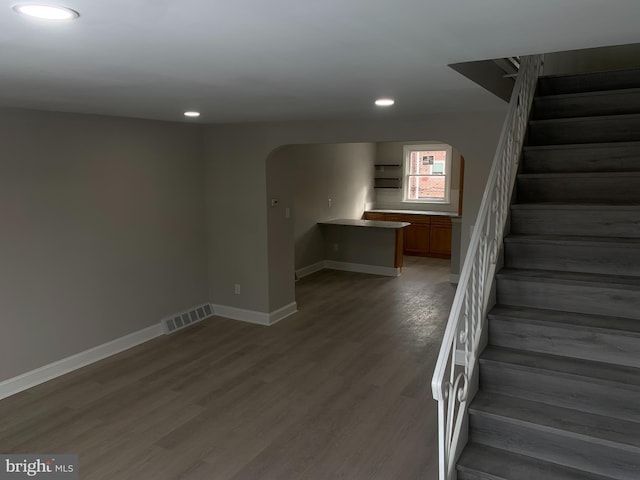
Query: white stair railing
x=456 y=369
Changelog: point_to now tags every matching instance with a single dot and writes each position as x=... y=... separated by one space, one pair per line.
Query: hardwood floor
x=340 y=390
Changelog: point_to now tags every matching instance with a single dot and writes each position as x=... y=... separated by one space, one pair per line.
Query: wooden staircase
x=559 y=391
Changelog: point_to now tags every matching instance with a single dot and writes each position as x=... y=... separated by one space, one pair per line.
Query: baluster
x=464 y=329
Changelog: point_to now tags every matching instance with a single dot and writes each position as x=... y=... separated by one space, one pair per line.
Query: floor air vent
x=189 y=317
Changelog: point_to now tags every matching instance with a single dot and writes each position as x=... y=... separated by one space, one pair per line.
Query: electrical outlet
x=336 y=247
x=236 y=289
x=329 y=202
x=287 y=212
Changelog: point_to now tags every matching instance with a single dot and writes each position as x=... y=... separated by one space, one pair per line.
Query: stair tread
x=566 y=421
x=600 y=207
x=599 y=118
x=580 y=175
x=573 y=240
x=504 y=465
x=588 y=75
x=613 y=325
x=591 y=81
x=599 y=372
x=581 y=146
x=577 y=278
x=582 y=157
x=592 y=93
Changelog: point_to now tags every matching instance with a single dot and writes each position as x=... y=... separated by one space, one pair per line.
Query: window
x=427 y=173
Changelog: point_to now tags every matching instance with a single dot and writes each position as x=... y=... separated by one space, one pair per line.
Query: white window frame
x=406 y=151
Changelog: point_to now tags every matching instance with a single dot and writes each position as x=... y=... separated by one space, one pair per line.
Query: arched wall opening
x=312 y=183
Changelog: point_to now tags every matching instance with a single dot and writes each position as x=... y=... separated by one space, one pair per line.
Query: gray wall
x=303 y=178
x=102 y=231
x=236 y=155
x=280 y=181
x=341 y=172
x=393 y=153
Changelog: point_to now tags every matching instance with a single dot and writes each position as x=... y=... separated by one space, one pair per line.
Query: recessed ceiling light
x=385 y=102
x=46 y=12
x=192 y=114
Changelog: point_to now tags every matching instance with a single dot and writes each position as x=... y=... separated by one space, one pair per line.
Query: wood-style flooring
x=340 y=390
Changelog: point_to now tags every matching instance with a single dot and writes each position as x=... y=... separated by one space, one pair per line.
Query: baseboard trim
x=251 y=316
x=454 y=278
x=282 y=313
x=362 y=268
x=61 y=367
x=310 y=269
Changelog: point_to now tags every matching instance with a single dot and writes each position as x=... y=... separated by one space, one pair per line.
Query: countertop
x=365 y=223
x=416 y=212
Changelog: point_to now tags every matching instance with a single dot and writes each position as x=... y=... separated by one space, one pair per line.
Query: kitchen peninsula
x=428 y=233
x=367 y=246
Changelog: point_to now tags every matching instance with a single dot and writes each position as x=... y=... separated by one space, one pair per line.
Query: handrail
x=455 y=371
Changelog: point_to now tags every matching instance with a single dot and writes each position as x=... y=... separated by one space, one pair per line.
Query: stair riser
x=583 y=106
x=570 y=341
x=618 y=189
x=589 y=299
x=584 y=130
x=616 y=158
x=607 y=259
x=486 y=463
x=612 y=399
x=554 y=447
x=621 y=223
x=589 y=83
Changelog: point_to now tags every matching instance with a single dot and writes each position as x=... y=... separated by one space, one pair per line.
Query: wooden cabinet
x=417 y=239
x=440 y=238
x=427 y=236
x=417 y=235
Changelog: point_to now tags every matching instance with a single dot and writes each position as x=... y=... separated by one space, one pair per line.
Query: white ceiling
x=254 y=60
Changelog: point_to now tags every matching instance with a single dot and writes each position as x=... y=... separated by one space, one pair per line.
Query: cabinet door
x=440 y=240
x=392 y=217
x=416 y=239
